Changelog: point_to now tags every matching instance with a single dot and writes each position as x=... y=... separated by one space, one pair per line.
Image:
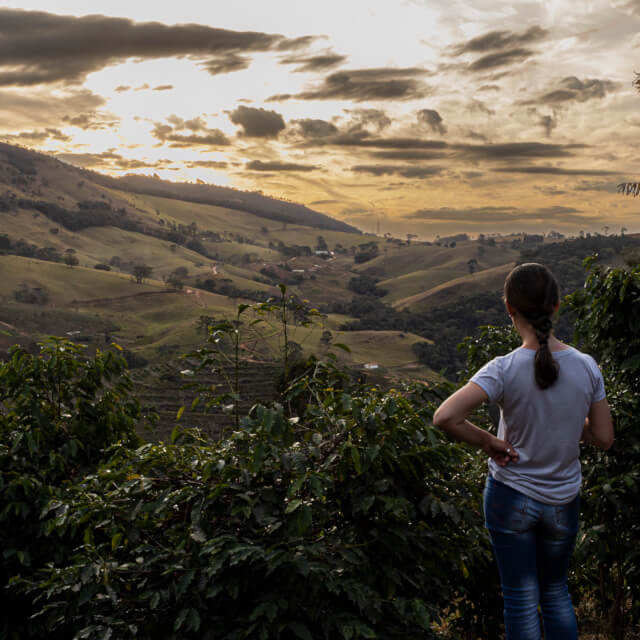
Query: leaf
x=180 y=412
x=300 y=630
x=342 y=346
x=293 y=505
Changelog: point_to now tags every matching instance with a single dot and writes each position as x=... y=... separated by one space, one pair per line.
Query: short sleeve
x=597 y=380
x=491 y=379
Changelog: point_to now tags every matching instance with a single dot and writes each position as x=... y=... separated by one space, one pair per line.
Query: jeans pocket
x=567 y=518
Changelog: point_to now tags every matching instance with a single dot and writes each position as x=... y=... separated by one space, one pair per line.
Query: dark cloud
x=400 y=170
x=163 y=87
x=364 y=140
x=227 y=64
x=110 y=160
x=318 y=202
x=92 y=121
x=258 y=165
x=188 y=133
x=205 y=164
x=500 y=59
x=483 y=215
x=489 y=87
x=495 y=40
x=370 y=120
x=38 y=47
x=314 y=63
x=408 y=154
x=515 y=150
x=558 y=171
x=37 y=137
x=314 y=128
x=588 y=185
x=257 y=123
x=360 y=85
x=432 y=119
x=548 y=123
x=573 y=89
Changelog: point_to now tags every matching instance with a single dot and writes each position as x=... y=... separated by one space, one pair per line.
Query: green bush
x=354 y=521
x=58 y=412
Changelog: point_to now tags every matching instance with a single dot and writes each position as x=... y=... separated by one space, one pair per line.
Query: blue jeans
x=533 y=543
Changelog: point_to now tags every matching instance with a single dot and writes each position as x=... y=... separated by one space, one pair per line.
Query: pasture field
x=488 y=280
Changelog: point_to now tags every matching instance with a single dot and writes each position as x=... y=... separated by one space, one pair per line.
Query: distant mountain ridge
x=256 y=203
x=22 y=159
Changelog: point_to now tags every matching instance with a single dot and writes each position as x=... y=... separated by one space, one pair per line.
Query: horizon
x=475 y=117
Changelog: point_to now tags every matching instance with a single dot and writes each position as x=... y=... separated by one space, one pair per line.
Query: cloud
x=558 y=171
x=371 y=120
x=515 y=150
x=227 y=64
x=500 y=48
x=163 y=87
x=432 y=119
x=110 y=160
x=257 y=123
x=364 y=140
x=314 y=63
x=494 y=40
x=360 y=85
x=628 y=7
x=574 y=89
x=37 y=137
x=500 y=59
x=314 y=128
x=92 y=121
x=258 y=165
x=43 y=48
x=122 y=88
x=206 y=164
x=490 y=214
x=41 y=109
x=408 y=154
x=548 y=123
x=400 y=170
x=195 y=132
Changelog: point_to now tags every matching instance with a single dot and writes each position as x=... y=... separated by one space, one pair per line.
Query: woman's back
x=543 y=425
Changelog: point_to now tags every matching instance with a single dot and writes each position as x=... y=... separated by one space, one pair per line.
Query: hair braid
x=533 y=291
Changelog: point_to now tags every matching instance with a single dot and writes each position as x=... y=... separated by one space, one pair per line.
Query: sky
x=430 y=117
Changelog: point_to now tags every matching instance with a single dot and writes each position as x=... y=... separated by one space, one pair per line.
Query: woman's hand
x=501 y=451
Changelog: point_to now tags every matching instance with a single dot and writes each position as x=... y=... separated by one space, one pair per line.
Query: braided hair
x=532 y=290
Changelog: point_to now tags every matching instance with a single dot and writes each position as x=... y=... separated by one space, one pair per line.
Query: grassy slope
x=487 y=280
x=411 y=270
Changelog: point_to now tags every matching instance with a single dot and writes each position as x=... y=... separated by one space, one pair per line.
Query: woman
x=551 y=396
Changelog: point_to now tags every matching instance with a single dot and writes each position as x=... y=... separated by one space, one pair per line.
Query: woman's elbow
x=607 y=443
x=442 y=418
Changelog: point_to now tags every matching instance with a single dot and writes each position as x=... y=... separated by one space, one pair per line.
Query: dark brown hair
x=532 y=290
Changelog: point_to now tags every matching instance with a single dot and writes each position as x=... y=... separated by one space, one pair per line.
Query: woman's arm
x=451 y=416
x=598 y=427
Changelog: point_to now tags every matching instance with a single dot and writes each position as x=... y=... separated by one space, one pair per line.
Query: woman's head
x=533 y=292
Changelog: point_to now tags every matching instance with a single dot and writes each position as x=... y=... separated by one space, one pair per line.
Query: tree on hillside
x=175 y=279
x=70 y=258
x=141 y=272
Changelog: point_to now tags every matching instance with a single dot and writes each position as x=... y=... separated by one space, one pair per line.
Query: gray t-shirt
x=544 y=426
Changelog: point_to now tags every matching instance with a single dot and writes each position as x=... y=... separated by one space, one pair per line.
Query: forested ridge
x=337 y=511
